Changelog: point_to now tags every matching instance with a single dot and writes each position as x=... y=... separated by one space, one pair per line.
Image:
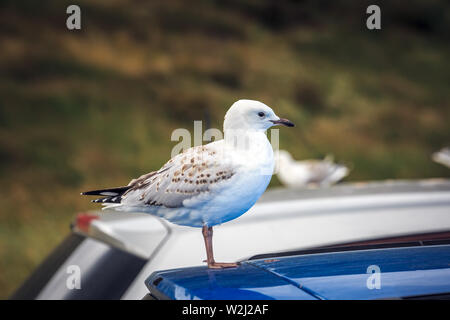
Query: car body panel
x=404 y=272
x=245 y=282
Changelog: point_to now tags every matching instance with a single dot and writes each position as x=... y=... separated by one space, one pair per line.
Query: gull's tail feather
x=111 y=195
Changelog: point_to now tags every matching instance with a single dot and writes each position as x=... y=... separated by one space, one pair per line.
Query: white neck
x=251 y=149
x=245 y=139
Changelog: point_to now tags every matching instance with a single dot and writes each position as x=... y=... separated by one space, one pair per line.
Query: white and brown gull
x=207 y=185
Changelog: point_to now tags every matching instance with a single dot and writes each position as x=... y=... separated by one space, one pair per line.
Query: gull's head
x=252 y=115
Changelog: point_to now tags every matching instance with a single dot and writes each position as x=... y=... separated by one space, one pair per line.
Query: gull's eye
x=261 y=114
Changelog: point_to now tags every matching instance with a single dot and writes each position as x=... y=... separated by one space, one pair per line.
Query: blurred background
x=95 y=107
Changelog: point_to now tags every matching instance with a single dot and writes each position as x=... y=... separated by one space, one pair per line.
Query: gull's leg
x=207 y=236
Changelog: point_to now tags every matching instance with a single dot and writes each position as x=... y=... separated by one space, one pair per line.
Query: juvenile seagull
x=304 y=173
x=207 y=185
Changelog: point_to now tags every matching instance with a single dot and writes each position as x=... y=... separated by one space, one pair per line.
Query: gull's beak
x=283 y=122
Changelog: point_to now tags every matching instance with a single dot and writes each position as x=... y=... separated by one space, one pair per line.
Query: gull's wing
x=197 y=171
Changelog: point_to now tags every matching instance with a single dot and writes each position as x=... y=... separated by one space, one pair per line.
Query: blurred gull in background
x=306 y=173
x=442 y=156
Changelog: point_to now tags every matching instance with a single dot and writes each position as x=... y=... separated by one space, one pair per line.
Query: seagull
x=210 y=184
x=442 y=156
x=294 y=173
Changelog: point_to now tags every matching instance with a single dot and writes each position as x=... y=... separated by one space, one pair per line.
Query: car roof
x=403 y=272
x=357 y=189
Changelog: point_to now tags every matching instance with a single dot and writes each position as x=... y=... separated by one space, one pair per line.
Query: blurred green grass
x=93 y=108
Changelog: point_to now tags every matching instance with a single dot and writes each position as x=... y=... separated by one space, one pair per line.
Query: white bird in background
x=305 y=173
x=207 y=185
x=442 y=156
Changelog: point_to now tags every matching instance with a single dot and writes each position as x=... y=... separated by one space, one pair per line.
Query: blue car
x=410 y=268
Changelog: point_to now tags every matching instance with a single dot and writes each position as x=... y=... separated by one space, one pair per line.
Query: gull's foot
x=221 y=265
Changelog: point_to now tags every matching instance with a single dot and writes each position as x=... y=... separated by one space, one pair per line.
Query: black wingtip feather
x=111 y=195
x=111 y=192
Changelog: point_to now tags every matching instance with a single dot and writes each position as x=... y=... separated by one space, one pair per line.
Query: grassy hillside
x=91 y=108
